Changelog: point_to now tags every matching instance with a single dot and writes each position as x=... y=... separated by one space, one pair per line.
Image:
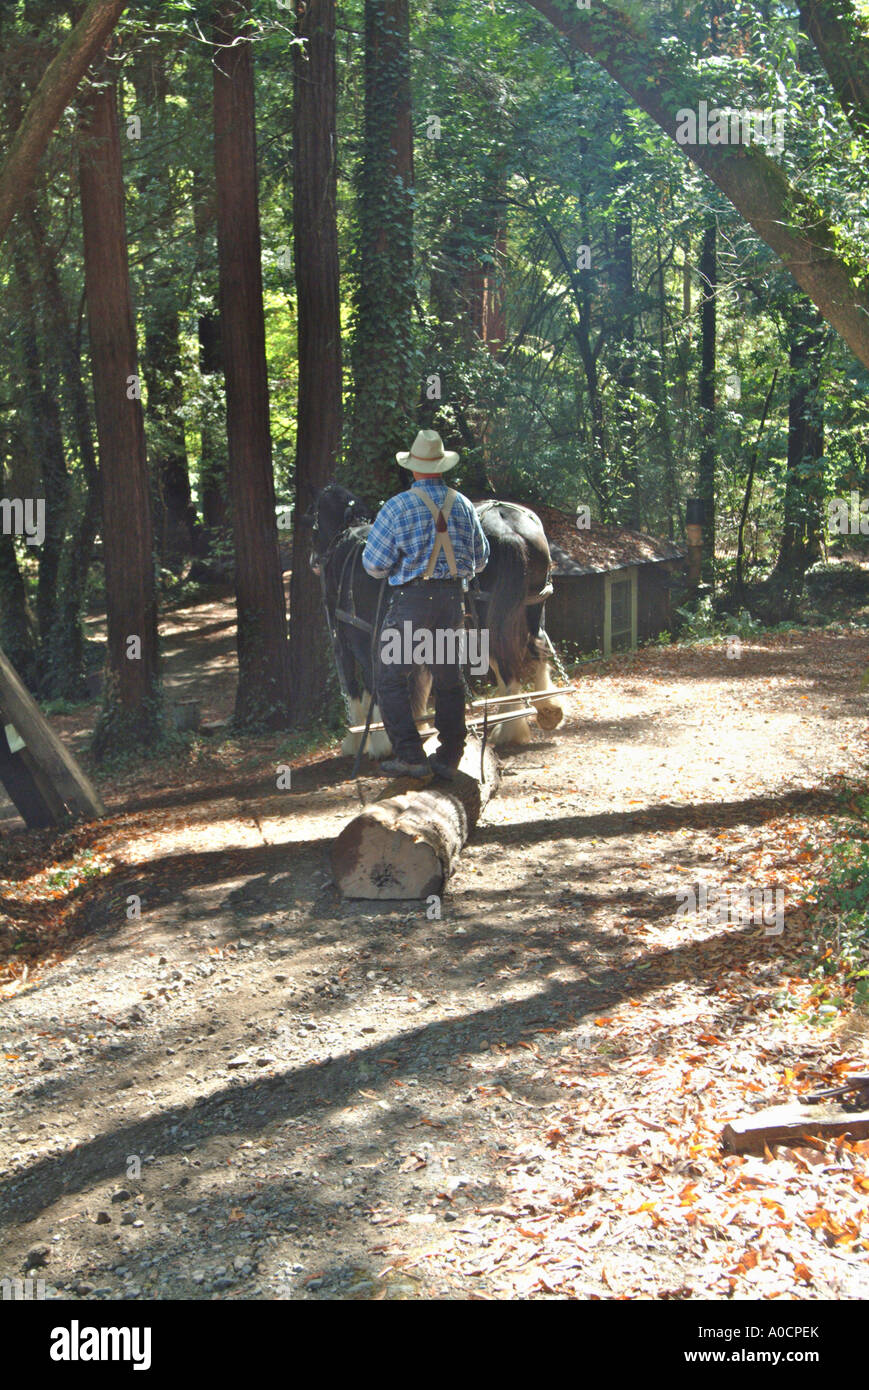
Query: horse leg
x=420 y=690
x=378 y=744
x=517 y=731
x=550 y=711
x=356 y=715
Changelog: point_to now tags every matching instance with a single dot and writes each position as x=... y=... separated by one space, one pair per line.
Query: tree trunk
x=262 y=699
x=659 y=391
x=739 y=582
x=315 y=251
x=17 y=630
x=67 y=637
x=45 y=439
x=842 y=42
x=384 y=359
x=48 y=102
x=706 y=394
x=800 y=544
x=623 y=287
x=174 y=514
x=130 y=714
x=213 y=482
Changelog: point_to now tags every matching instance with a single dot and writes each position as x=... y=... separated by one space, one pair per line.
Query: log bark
x=405 y=843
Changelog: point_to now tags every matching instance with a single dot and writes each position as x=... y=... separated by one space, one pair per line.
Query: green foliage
x=703 y=620
x=559 y=381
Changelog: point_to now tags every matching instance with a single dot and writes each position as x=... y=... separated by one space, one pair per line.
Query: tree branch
x=55 y=90
x=816 y=254
x=843 y=46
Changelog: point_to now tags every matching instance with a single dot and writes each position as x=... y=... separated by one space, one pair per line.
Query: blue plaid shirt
x=402 y=538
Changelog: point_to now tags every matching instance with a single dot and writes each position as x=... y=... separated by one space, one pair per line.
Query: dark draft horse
x=513 y=588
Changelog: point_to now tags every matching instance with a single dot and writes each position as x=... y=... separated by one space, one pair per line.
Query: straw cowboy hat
x=428 y=454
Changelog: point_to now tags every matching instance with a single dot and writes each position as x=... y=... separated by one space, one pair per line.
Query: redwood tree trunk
x=384 y=368
x=213 y=483
x=315 y=250
x=706 y=394
x=67 y=638
x=45 y=439
x=262 y=699
x=626 y=373
x=175 y=515
x=130 y=713
x=804 y=491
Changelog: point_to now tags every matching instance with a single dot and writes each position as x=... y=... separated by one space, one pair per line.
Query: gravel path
x=255 y=1090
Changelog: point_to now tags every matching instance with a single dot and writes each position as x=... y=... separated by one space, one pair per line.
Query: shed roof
x=600 y=548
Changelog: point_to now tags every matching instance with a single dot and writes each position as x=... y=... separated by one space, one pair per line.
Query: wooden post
x=694 y=537
x=40 y=775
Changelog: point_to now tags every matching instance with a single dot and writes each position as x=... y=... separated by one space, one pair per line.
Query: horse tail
x=508 y=626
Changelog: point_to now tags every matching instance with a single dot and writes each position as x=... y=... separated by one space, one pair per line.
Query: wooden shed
x=612 y=584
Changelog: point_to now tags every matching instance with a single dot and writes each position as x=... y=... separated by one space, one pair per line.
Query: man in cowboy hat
x=427 y=541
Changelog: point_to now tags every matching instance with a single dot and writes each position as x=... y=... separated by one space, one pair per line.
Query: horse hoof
x=516 y=733
x=379 y=745
x=549 y=716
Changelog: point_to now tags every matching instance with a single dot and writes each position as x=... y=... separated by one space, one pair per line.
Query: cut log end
x=405 y=844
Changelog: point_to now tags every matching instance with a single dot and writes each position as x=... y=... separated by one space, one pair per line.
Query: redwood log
x=405 y=843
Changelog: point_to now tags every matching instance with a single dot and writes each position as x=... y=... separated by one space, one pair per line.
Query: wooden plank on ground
x=788 y=1124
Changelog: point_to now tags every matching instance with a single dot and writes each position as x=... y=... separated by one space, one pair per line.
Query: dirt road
x=254 y=1090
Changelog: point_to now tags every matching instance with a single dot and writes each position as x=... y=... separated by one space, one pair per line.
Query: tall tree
x=262 y=699
x=706 y=390
x=213 y=483
x=804 y=482
x=64 y=674
x=46 y=447
x=622 y=275
x=384 y=361
x=175 y=515
x=315 y=251
x=130 y=712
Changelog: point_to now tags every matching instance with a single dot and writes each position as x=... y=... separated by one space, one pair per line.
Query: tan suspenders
x=442 y=537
